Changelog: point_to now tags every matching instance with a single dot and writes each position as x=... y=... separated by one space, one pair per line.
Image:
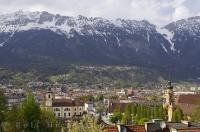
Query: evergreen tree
x=174 y=117
x=177 y=115
x=116 y=117
x=128 y=109
x=3 y=109
x=113 y=119
x=48 y=121
x=139 y=111
x=142 y=121
x=31 y=113
x=196 y=115
x=148 y=113
x=12 y=124
x=161 y=112
x=156 y=110
x=126 y=119
x=29 y=117
x=134 y=110
x=152 y=113
x=145 y=112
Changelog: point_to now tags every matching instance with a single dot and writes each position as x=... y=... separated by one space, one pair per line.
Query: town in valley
x=99 y=66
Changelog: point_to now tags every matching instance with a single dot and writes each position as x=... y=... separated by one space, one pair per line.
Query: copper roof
x=66 y=102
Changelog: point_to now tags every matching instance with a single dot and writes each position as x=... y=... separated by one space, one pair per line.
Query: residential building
x=157 y=125
x=63 y=107
x=67 y=108
x=188 y=103
x=15 y=99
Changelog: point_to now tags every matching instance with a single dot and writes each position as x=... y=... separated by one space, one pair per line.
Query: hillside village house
x=63 y=107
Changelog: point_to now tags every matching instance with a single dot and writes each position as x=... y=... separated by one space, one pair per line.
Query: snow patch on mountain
x=68 y=26
x=163 y=46
x=148 y=37
x=167 y=35
x=118 y=41
x=3 y=43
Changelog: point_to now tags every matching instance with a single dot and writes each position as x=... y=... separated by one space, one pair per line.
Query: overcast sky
x=156 y=11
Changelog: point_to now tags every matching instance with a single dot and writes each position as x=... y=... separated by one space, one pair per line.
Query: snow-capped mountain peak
x=42 y=36
x=66 y=25
x=34 y=20
x=117 y=29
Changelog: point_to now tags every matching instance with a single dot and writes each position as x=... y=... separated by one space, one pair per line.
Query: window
x=49 y=96
x=80 y=108
x=64 y=114
x=80 y=113
x=75 y=113
x=68 y=114
x=56 y=109
x=59 y=114
x=75 y=109
x=67 y=109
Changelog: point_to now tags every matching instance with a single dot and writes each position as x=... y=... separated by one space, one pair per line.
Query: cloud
x=156 y=11
x=181 y=12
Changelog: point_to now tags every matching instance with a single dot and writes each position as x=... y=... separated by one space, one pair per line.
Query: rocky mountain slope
x=38 y=37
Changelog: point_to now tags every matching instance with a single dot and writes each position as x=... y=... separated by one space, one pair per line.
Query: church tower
x=169 y=101
x=49 y=98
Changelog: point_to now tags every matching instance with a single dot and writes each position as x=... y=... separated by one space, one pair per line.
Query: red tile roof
x=66 y=102
x=129 y=128
x=189 y=99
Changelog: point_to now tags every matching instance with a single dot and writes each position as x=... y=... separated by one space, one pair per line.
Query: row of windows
x=66 y=114
x=56 y=109
x=66 y=109
x=75 y=109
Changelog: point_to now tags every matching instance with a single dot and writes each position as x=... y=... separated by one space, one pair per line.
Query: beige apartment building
x=63 y=107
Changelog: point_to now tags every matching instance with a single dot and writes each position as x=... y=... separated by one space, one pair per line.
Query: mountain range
x=42 y=37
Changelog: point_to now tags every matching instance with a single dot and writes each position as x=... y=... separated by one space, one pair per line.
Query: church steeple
x=169 y=100
x=169 y=85
x=49 y=98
